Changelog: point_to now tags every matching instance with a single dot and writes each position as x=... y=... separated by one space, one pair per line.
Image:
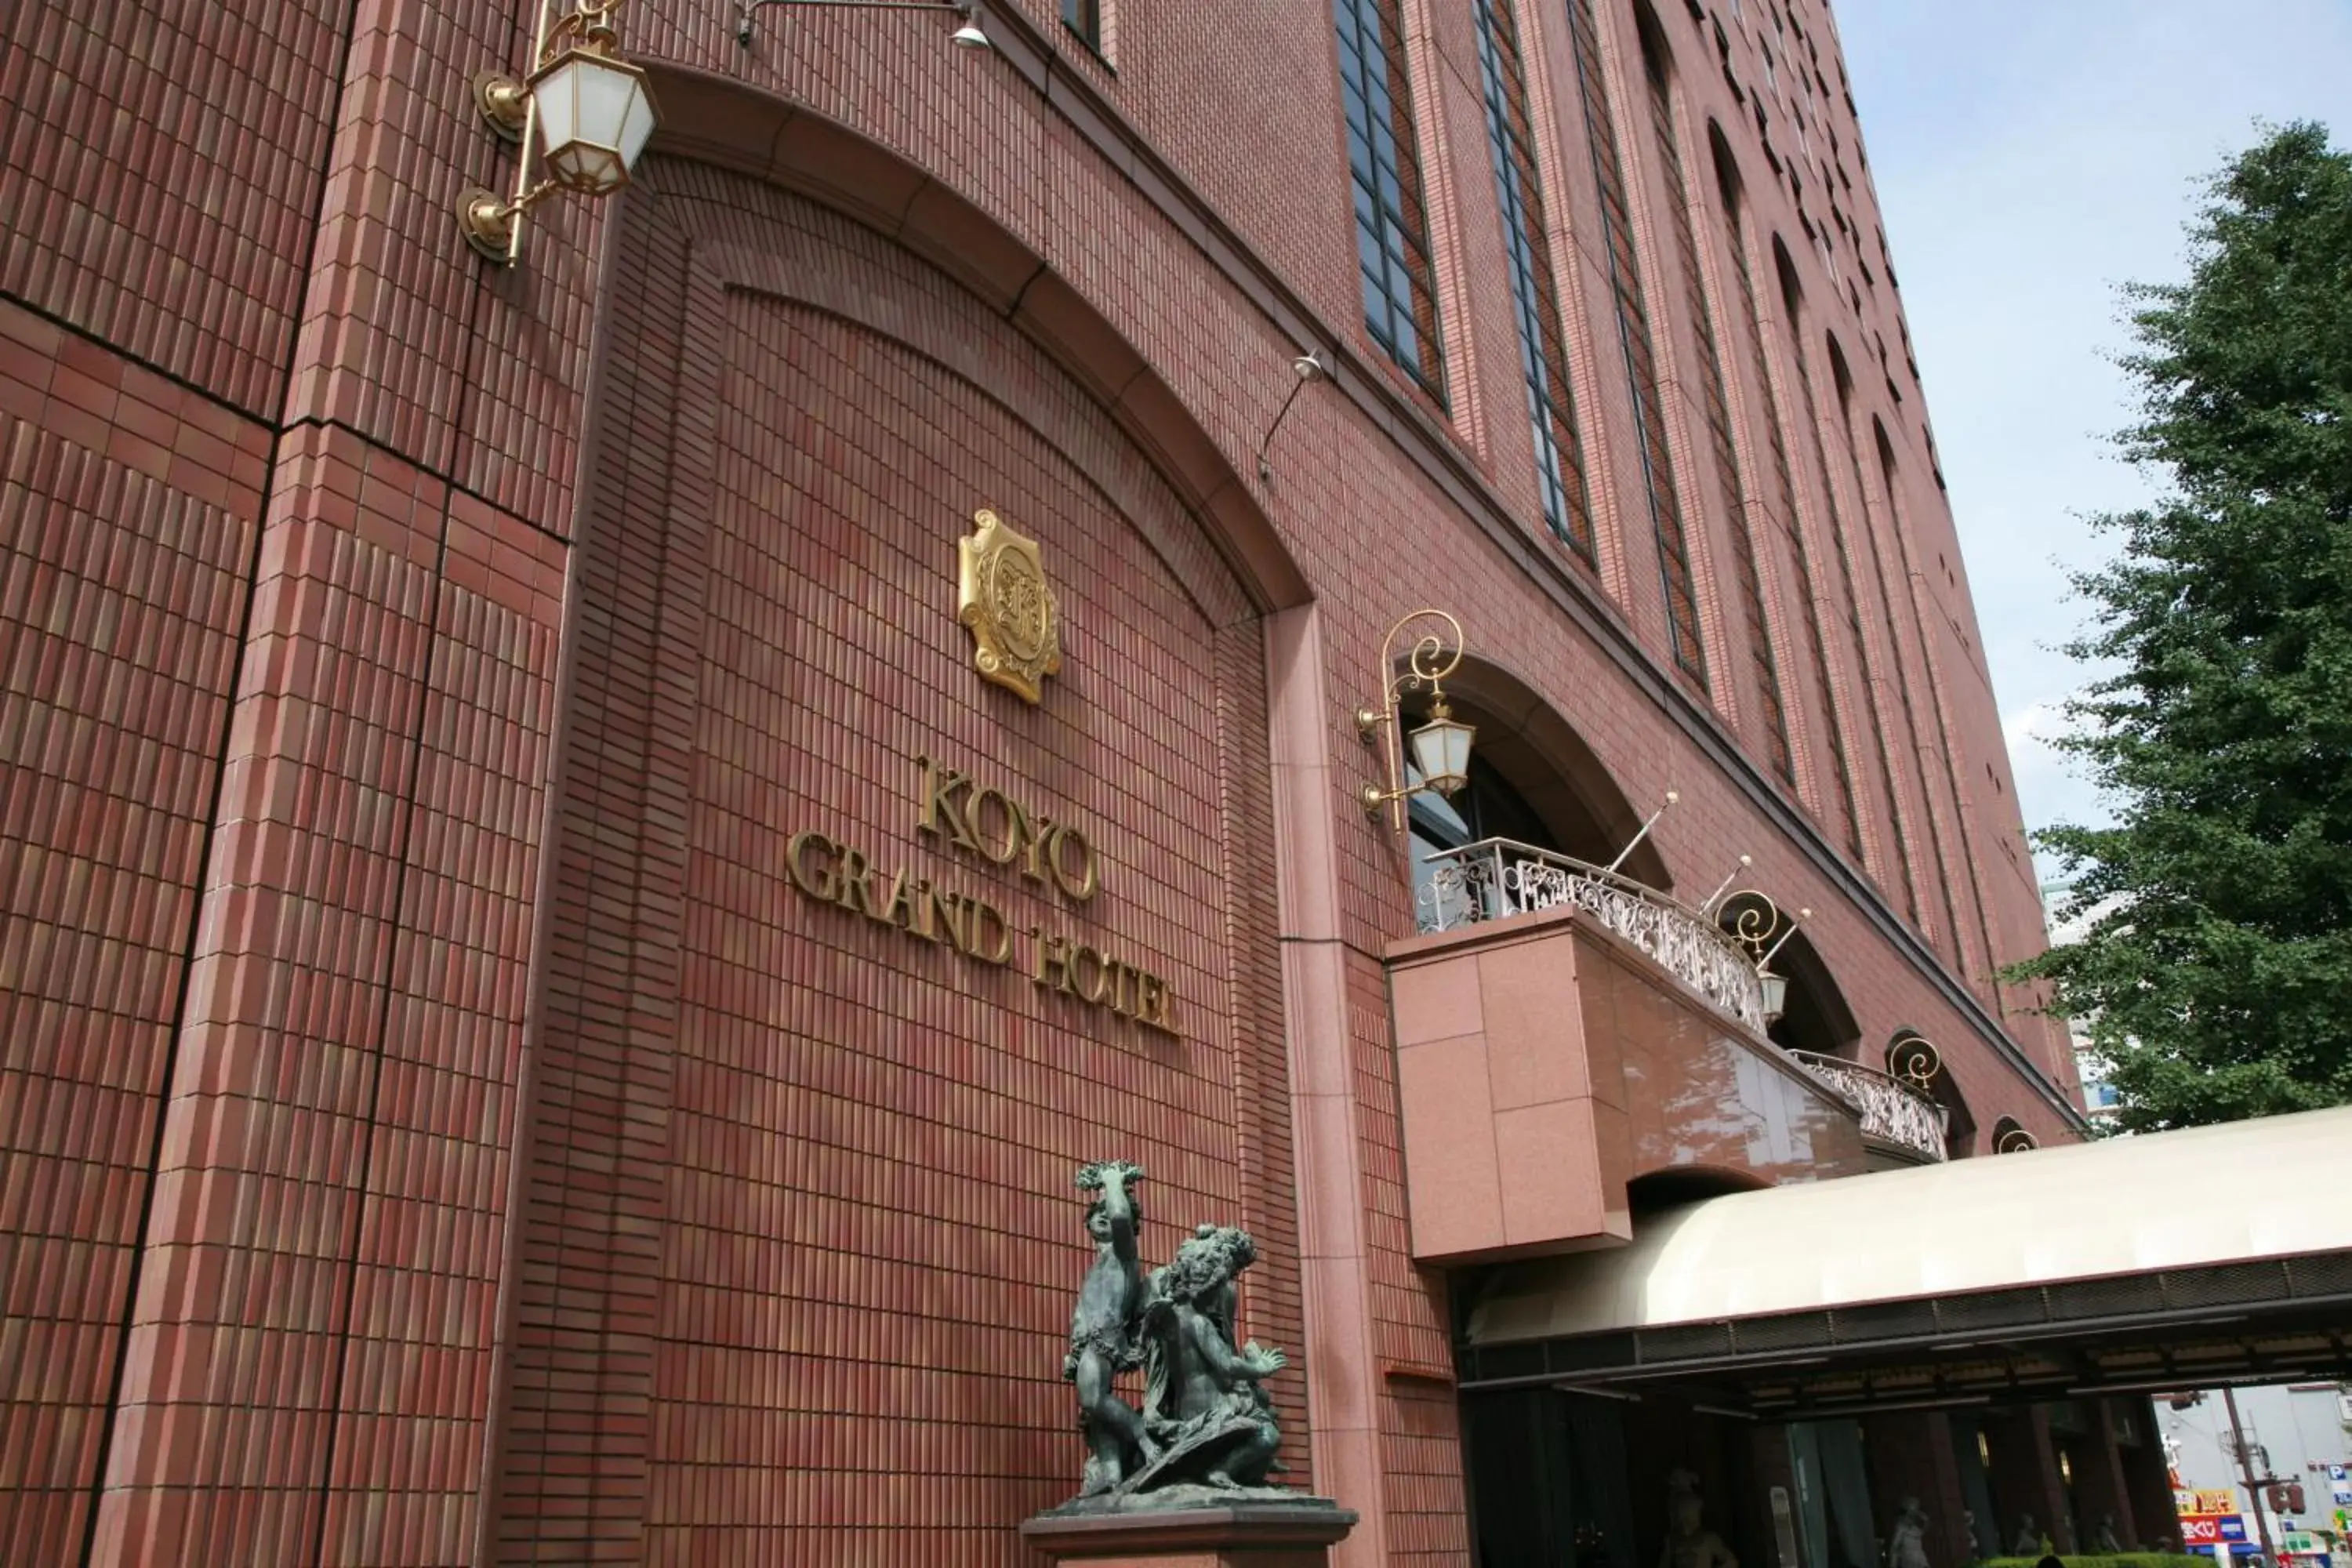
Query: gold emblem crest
x=1002 y=596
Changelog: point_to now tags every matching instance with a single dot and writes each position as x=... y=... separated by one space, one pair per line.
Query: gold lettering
x=940 y=804
x=857 y=891
x=955 y=915
x=817 y=882
x=1049 y=954
x=1080 y=956
x=982 y=914
x=922 y=902
x=895 y=909
x=1155 y=1003
x=1120 y=974
x=1079 y=885
x=1016 y=825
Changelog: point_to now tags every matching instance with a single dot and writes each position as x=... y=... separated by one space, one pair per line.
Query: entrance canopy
x=2195 y=1258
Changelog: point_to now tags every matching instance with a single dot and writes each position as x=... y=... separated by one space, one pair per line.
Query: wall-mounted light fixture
x=1757 y=923
x=588 y=112
x=1308 y=368
x=968 y=36
x=1441 y=746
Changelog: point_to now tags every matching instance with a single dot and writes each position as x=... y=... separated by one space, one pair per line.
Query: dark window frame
x=1085 y=18
x=1543 y=346
x=1394 y=265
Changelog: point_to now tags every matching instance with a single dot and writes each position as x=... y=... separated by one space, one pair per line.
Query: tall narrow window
x=1641 y=359
x=1841 y=377
x=1543 y=352
x=1716 y=406
x=1392 y=224
x=1899 y=516
x=1784 y=504
x=1085 y=18
x=1809 y=420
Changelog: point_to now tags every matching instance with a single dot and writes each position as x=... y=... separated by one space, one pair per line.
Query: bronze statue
x=1206 y=1432
x=1102 y=1328
x=1906 y=1538
x=1202 y=1396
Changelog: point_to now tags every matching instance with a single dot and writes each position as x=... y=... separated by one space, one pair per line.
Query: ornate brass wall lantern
x=1753 y=920
x=587 y=111
x=968 y=36
x=1441 y=746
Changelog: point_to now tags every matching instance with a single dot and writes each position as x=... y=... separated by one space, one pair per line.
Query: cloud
x=2029 y=158
x=2027 y=732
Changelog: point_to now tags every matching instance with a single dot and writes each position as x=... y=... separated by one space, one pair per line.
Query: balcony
x=1563 y=1032
x=1893 y=1112
x=1498 y=877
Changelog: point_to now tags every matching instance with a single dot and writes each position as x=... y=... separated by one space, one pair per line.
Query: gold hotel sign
x=985 y=824
x=1003 y=597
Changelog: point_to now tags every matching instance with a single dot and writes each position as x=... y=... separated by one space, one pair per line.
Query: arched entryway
x=1533 y=782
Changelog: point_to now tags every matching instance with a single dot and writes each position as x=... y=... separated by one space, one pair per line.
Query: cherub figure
x=1103 y=1328
x=1202 y=1401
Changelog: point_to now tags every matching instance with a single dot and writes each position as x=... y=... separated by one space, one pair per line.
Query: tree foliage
x=2214 y=964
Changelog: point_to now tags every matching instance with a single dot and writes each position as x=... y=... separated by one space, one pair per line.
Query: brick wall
x=126 y=508
x=287 y=511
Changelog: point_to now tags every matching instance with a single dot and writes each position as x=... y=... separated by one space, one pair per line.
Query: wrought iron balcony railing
x=1893 y=1109
x=1497 y=877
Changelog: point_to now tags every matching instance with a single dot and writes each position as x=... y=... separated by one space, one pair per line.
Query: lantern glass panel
x=1441 y=750
x=595 y=116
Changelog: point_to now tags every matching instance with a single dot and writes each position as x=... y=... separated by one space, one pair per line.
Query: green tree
x=2214 y=968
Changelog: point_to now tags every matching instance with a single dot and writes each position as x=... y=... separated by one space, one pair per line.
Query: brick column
x=2025 y=1478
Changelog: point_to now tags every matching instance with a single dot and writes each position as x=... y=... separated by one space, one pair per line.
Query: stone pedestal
x=1233 y=1535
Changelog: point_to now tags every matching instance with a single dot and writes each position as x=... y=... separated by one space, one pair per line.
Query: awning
x=2143 y=1261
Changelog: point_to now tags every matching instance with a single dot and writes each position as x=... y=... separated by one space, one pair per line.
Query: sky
x=2030 y=156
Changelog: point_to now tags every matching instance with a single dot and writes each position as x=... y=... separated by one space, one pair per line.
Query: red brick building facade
x=451 y=1110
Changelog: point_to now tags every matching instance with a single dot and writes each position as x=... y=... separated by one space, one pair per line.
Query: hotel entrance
x=1901 y=1370
x=1566 y=1479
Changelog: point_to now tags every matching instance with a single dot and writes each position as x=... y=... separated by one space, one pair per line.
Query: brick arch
x=794 y=419
x=717 y=119
x=1542 y=756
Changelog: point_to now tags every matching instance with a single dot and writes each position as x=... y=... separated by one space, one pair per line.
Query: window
x=1781 y=504
x=1392 y=224
x=1898 y=516
x=1811 y=415
x=1085 y=17
x=1641 y=359
x=1543 y=352
x=1715 y=405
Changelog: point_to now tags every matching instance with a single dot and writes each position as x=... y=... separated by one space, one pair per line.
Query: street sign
x=2212 y=1528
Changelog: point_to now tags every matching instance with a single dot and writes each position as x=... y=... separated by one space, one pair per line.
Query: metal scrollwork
x=1915 y=1060
x=1894 y=1110
x=1497 y=877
